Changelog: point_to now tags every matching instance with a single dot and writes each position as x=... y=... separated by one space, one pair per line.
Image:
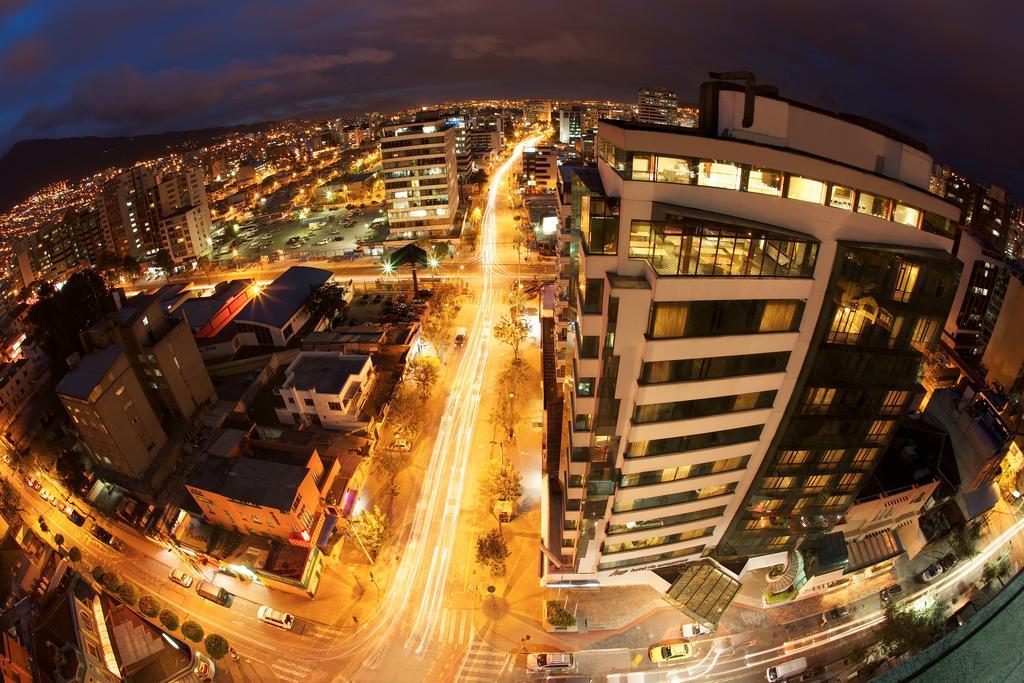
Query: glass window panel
x=841 y=197
x=907 y=215
x=719 y=174
x=674 y=170
x=806 y=189
x=668 y=319
x=874 y=205
x=779 y=316
x=765 y=181
x=643 y=166
x=906 y=278
x=640 y=243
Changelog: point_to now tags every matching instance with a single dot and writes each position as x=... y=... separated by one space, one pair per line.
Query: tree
x=404 y=412
x=74 y=554
x=192 y=631
x=511 y=331
x=501 y=481
x=59 y=540
x=10 y=499
x=964 y=540
x=388 y=462
x=71 y=472
x=478 y=177
x=169 y=619
x=216 y=646
x=424 y=371
x=131 y=267
x=505 y=410
x=373 y=529
x=150 y=606
x=164 y=262
x=98 y=572
x=59 y=317
x=108 y=264
x=996 y=569
x=327 y=301
x=909 y=630
x=439 y=317
x=111 y=580
x=203 y=264
x=128 y=592
x=491 y=551
x=518 y=242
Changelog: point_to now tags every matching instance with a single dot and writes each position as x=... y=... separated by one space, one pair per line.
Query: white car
x=402 y=445
x=543 y=662
x=180 y=577
x=693 y=630
x=275 y=617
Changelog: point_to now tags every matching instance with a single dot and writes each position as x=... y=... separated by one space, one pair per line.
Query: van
x=213 y=593
x=781 y=672
x=460 y=337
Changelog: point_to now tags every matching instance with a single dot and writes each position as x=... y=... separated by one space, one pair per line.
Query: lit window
x=819 y=399
x=841 y=197
x=806 y=190
x=718 y=174
x=673 y=170
x=906 y=278
x=907 y=215
x=794 y=457
x=831 y=457
x=874 y=205
x=764 y=181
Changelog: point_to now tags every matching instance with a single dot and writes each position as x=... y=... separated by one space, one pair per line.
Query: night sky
x=948 y=73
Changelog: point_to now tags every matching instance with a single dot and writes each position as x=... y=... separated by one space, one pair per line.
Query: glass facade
x=694 y=369
x=673 y=498
x=693 y=442
x=684 y=410
x=684 y=472
x=884 y=309
x=742 y=177
x=604 y=566
x=707 y=248
x=655 y=541
x=671 y=520
x=678 y=319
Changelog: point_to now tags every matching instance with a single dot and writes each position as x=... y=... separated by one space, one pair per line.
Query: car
x=890 y=592
x=322 y=242
x=33 y=484
x=181 y=577
x=275 y=617
x=76 y=517
x=107 y=537
x=402 y=445
x=540 y=662
x=948 y=561
x=835 y=614
x=339 y=239
x=694 y=630
x=669 y=653
x=931 y=572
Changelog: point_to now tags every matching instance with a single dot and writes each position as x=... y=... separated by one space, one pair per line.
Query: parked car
x=213 y=593
x=275 y=617
x=670 y=653
x=694 y=630
x=835 y=614
x=890 y=592
x=785 y=670
x=540 y=662
x=948 y=561
x=107 y=537
x=931 y=572
x=76 y=517
x=181 y=577
x=402 y=445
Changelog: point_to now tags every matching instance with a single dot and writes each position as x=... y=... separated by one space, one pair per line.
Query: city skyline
x=273 y=61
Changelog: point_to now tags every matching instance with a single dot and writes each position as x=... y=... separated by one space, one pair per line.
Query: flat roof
x=280 y=300
x=323 y=372
x=80 y=382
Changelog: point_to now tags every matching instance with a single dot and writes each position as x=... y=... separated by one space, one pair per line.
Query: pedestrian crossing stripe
x=456 y=627
x=290 y=671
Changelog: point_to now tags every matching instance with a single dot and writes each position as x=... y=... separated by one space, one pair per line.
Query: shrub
x=128 y=592
x=149 y=606
x=112 y=581
x=192 y=631
x=216 y=646
x=59 y=539
x=74 y=554
x=98 y=572
x=169 y=619
x=558 y=616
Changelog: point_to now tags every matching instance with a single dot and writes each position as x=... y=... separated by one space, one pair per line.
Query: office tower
x=746 y=314
x=568 y=119
x=537 y=111
x=657 y=105
x=463 y=157
x=420 y=178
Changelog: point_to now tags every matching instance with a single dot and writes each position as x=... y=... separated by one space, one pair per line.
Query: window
x=684 y=472
x=693 y=442
x=778 y=483
x=681 y=410
x=818 y=400
x=894 y=402
x=880 y=429
x=585 y=387
x=690 y=369
x=806 y=189
x=817 y=483
x=924 y=332
x=673 y=319
x=850 y=482
x=779 y=316
x=334 y=405
x=658 y=522
x=874 y=205
x=906 y=278
x=593 y=295
x=674 y=170
x=764 y=181
x=907 y=215
x=640 y=544
x=673 y=498
x=308 y=401
x=582 y=423
x=794 y=457
x=590 y=346
x=841 y=197
x=865 y=456
x=719 y=174
x=831 y=457
x=643 y=166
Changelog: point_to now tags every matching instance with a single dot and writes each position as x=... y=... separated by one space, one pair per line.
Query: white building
x=326 y=389
x=420 y=178
x=740 y=333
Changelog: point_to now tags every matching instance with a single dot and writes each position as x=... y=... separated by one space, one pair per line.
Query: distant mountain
x=33 y=164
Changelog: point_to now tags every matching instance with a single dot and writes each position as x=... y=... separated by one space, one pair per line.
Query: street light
x=388 y=267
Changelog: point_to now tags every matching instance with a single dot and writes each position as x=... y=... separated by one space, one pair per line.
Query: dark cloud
x=943 y=72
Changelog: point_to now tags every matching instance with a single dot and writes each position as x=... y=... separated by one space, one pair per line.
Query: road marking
x=291 y=671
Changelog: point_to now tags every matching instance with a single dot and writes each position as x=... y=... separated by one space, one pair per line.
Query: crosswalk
x=483 y=664
x=291 y=672
x=455 y=627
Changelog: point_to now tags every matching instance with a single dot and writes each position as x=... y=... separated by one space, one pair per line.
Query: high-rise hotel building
x=746 y=308
x=420 y=178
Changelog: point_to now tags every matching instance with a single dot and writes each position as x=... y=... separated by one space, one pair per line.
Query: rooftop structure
x=277 y=313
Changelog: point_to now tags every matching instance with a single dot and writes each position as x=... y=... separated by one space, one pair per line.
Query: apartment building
x=979 y=299
x=540 y=170
x=130 y=213
x=657 y=105
x=421 y=180
x=327 y=389
x=187 y=234
x=746 y=309
x=56 y=251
